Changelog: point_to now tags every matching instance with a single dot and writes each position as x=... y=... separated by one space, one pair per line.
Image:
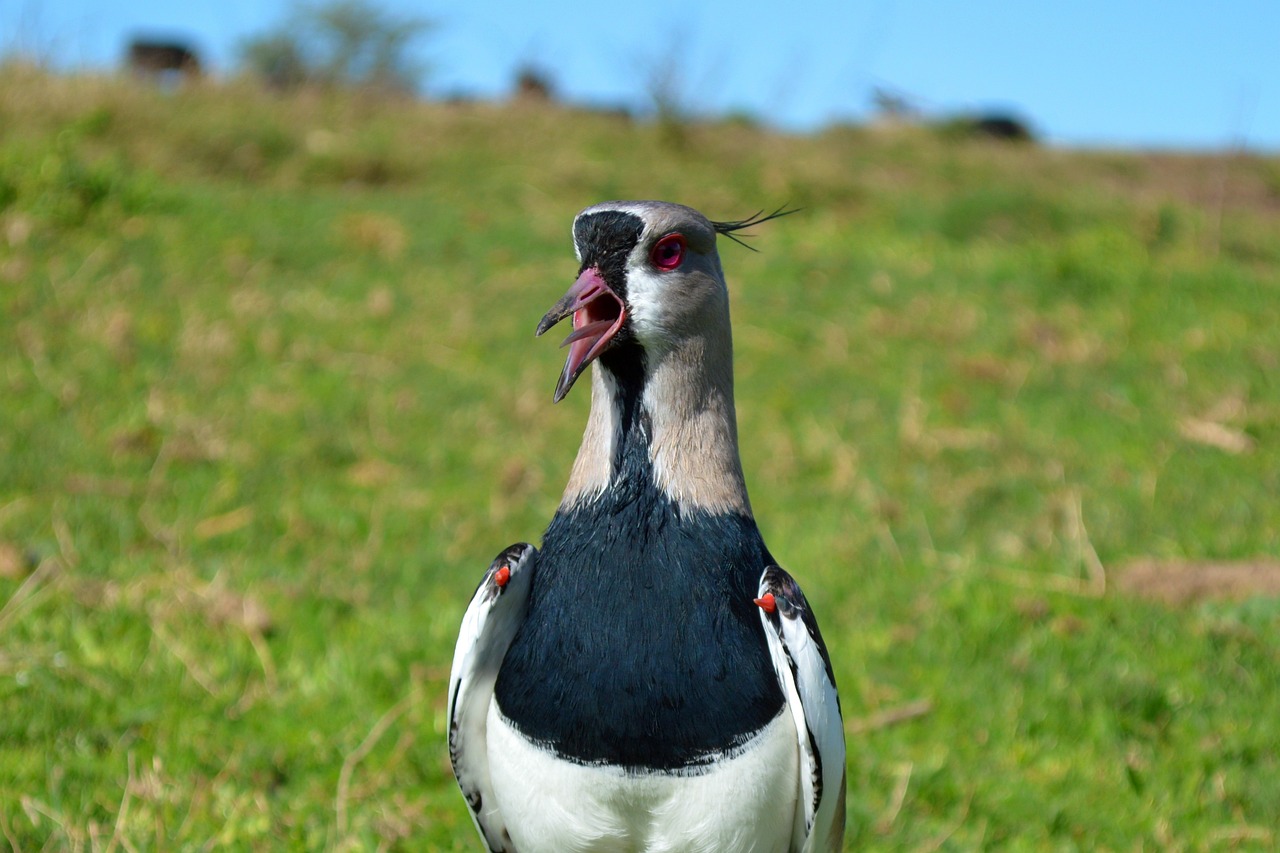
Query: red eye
x=668 y=252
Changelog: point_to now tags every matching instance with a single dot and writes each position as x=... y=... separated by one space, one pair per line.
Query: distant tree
x=534 y=84
x=339 y=43
x=667 y=85
x=666 y=82
x=277 y=59
x=892 y=104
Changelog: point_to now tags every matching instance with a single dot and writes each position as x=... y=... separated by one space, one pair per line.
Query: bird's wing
x=804 y=671
x=495 y=614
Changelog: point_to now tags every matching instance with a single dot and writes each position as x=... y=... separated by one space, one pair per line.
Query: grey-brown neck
x=690 y=425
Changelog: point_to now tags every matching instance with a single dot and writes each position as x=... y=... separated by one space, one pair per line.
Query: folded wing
x=495 y=614
x=804 y=671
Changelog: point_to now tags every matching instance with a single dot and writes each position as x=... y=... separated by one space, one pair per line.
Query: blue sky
x=1174 y=74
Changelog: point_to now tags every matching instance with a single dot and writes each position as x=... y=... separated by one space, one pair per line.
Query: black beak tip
x=566 y=382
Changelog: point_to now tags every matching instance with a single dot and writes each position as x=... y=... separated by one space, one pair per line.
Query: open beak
x=598 y=314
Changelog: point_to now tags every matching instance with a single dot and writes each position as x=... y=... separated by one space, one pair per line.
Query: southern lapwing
x=649 y=679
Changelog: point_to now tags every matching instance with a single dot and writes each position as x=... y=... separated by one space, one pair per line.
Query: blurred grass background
x=270 y=401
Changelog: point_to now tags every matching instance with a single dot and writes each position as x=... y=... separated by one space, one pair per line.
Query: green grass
x=270 y=401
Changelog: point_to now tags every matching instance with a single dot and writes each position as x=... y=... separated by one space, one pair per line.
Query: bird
x=649 y=678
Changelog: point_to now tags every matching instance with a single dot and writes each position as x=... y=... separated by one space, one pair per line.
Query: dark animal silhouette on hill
x=154 y=58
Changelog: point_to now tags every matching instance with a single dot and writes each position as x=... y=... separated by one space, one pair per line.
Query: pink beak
x=598 y=313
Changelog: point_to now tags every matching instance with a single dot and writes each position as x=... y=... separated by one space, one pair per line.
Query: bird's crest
x=730 y=229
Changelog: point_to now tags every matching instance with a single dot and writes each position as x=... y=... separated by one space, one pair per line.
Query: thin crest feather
x=728 y=229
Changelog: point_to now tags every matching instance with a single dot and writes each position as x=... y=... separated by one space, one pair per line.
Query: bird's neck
x=670 y=423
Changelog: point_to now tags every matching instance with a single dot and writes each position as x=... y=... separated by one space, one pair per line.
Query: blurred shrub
x=350 y=43
x=62 y=188
x=1007 y=213
x=1103 y=259
x=998 y=126
x=276 y=58
x=250 y=148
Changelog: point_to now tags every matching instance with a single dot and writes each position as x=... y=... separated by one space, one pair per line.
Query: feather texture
x=804 y=672
x=496 y=611
x=627 y=695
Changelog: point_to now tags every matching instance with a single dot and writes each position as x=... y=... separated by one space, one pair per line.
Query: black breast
x=642 y=646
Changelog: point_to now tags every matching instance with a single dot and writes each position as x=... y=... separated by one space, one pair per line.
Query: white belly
x=746 y=802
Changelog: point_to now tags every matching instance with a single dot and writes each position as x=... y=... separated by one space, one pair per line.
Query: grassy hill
x=270 y=401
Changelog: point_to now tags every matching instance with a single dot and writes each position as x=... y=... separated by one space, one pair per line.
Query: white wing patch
x=804 y=672
x=495 y=614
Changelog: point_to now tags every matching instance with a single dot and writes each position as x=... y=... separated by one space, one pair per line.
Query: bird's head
x=649 y=277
